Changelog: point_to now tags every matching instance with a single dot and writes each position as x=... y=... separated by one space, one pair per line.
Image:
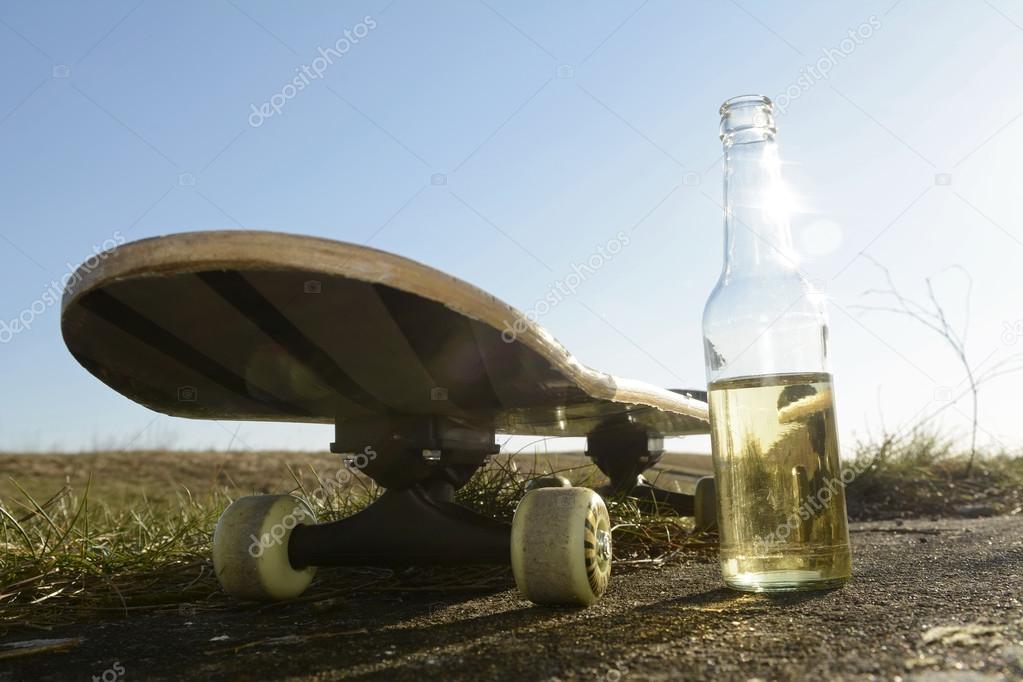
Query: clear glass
x=781 y=502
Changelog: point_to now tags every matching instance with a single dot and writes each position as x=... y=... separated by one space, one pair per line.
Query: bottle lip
x=747 y=118
x=745 y=101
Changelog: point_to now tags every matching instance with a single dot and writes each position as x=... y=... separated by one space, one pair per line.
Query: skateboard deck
x=245 y=325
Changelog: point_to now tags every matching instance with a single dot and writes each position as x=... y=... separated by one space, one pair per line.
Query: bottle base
x=783 y=581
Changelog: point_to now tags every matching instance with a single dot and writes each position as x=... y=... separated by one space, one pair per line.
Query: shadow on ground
x=927 y=596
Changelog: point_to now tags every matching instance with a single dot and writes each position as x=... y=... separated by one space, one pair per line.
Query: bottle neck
x=757 y=233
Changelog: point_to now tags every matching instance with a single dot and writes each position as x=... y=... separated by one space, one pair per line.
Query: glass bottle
x=781 y=501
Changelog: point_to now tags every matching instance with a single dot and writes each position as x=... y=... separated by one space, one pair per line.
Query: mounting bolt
x=603 y=545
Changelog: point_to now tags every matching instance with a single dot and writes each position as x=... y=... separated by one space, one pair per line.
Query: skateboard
x=417 y=370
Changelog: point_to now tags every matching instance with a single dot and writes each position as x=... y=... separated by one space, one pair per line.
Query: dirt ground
x=117 y=478
x=930 y=600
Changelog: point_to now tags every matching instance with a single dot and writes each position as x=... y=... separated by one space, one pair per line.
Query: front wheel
x=250 y=548
x=561 y=546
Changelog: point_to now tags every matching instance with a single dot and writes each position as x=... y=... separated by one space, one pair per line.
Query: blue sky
x=503 y=142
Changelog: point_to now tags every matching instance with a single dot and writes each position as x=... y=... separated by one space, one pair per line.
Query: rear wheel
x=561 y=546
x=705 y=506
x=548 y=482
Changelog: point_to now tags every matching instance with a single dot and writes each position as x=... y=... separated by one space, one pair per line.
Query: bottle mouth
x=745 y=101
x=747 y=118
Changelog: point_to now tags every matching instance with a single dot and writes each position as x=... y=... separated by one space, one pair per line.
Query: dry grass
x=100 y=535
x=123 y=479
x=87 y=536
x=922 y=473
x=108 y=534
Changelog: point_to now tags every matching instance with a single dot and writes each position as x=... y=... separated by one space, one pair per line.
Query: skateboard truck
x=421 y=461
x=420 y=525
x=400 y=451
x=623 y=449
x=268 y=547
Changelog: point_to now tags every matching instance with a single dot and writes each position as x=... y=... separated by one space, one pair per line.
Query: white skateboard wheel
x=548 y=482
x=250 y=548
x=705 y=506
x=561 y=546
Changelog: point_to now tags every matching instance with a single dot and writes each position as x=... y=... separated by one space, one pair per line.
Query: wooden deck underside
x=278 y=327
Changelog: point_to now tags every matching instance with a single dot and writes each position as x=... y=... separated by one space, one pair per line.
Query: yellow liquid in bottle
x=781 y=500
